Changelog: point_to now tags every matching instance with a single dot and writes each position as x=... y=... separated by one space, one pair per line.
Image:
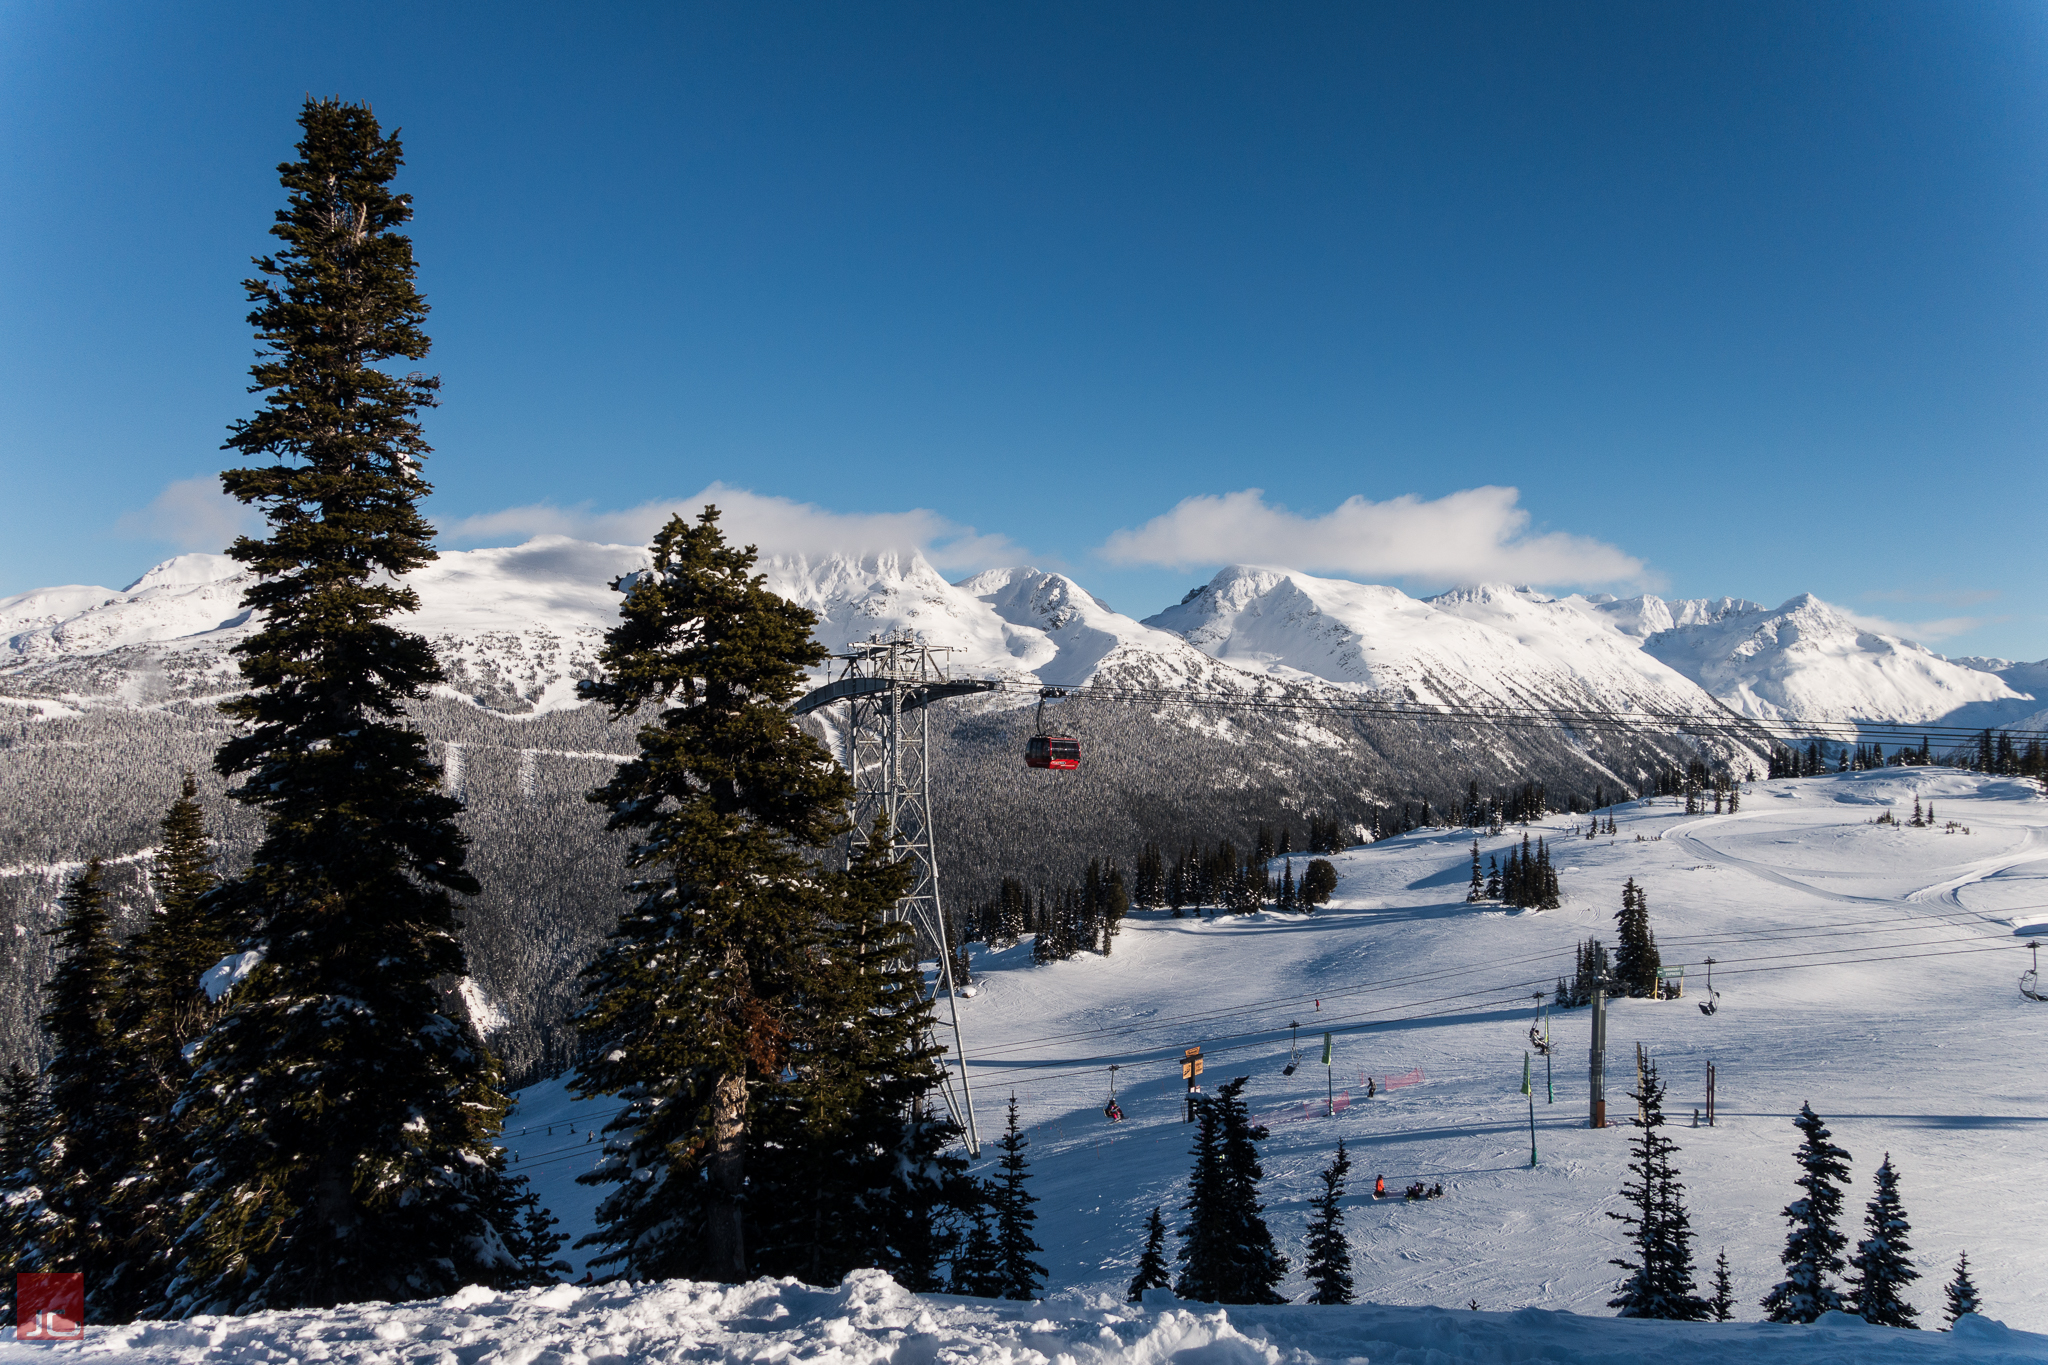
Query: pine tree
x=845 y=1168
x=166 y=1010
x=1883 y=1264
x=1318 y=883
x=1723 y=1302
x=692 y=1002
x=975 y=1270
x=24 y=1126
x=1960 y=1294
x=531 y=1239
x=346 y=1120
x=1227 y=1252
x=1659 y=1283
x=1478 y=886
x=1018 y=1275
x=1152 y=1262
x=1636 y=960
x=71 y=1214
x=1329 y=1253
x=1813 y=1250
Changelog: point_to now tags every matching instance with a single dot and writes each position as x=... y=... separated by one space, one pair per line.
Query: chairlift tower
x=888 y=683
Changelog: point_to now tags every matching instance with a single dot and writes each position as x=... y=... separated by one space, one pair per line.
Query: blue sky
x=1739 y=299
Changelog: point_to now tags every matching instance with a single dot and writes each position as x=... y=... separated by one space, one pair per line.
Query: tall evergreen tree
x=1959 y=1295
x=1813 y=1250
x=1659 y=1282
x=24 y=1124
x=1883 y=1264
x=974 y=1265
x=166 y=1010
x=1329 y=1252
x=90 y=1144
x=1152 y=1261
x=346 y=1119
x=1723 y=1302
x=1227 y=1252
x=1017 y=1274
x=845 y=1166
x=692 y=1002
x=1477 y=890
x=1636 y=960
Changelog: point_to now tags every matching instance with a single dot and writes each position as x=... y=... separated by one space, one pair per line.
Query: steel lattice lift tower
x=888 y=683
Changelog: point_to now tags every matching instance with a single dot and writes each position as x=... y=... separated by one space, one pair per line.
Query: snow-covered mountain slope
x=517 y=626
x=1468 y=647
x=1810 y=661
x=1866 y=968
x=869 y=1319
x=1641 y=617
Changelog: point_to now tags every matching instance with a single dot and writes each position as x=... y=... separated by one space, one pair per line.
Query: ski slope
x=1867 y=968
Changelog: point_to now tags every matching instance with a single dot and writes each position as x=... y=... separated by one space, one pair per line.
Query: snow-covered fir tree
x=1227 y=1253
x=696 y=1001
x=91 y=1141
x=24 y=1122
x=1959 y=1295
x=1882 y=1265
x=346 y=1120
x=1636 y=960
x=974 y=1270
x=1813 y=1250
x=1017 y=1275
x=1659 y=1282
x=1152 y=1272
x=847 y=1164
x=1329 y=1252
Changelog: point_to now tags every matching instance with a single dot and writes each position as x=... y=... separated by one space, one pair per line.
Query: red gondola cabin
x=1053 y=751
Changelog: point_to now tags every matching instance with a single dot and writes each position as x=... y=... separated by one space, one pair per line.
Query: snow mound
x=869 y=1319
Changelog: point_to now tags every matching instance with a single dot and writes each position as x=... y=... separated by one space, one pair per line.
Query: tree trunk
x=725 y=1243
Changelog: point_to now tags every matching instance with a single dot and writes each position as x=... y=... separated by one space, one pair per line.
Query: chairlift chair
x=1113 y=1111
x=1539 y=1038
x=1712 y=1004
x=1294 y=1053
x=1059 y=752
x=2030 y=979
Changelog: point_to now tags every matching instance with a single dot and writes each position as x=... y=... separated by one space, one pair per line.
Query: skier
x=1379 y=1188
x=1370 y=1088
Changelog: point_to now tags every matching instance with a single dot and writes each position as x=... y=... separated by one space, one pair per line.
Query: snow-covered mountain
x=517 y=626
x=1808 y=660
x=1471 y=646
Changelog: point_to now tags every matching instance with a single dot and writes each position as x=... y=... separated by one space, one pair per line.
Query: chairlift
x=2030 y=979
x=1539 y=1033
x=1043 y=750
x=1113 y=1111
x=1712 y=1004
x=1294 y=1053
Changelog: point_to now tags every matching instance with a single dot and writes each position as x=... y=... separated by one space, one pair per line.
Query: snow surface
x=869 y=1320
x=1867 y=968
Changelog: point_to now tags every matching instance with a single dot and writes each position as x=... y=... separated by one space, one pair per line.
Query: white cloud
x=777 y=525
x=1476 y=535
x=192 y=514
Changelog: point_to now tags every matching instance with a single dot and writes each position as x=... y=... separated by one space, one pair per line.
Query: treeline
x=1527 y=880
x=1995 y=752
x=1087 y=917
